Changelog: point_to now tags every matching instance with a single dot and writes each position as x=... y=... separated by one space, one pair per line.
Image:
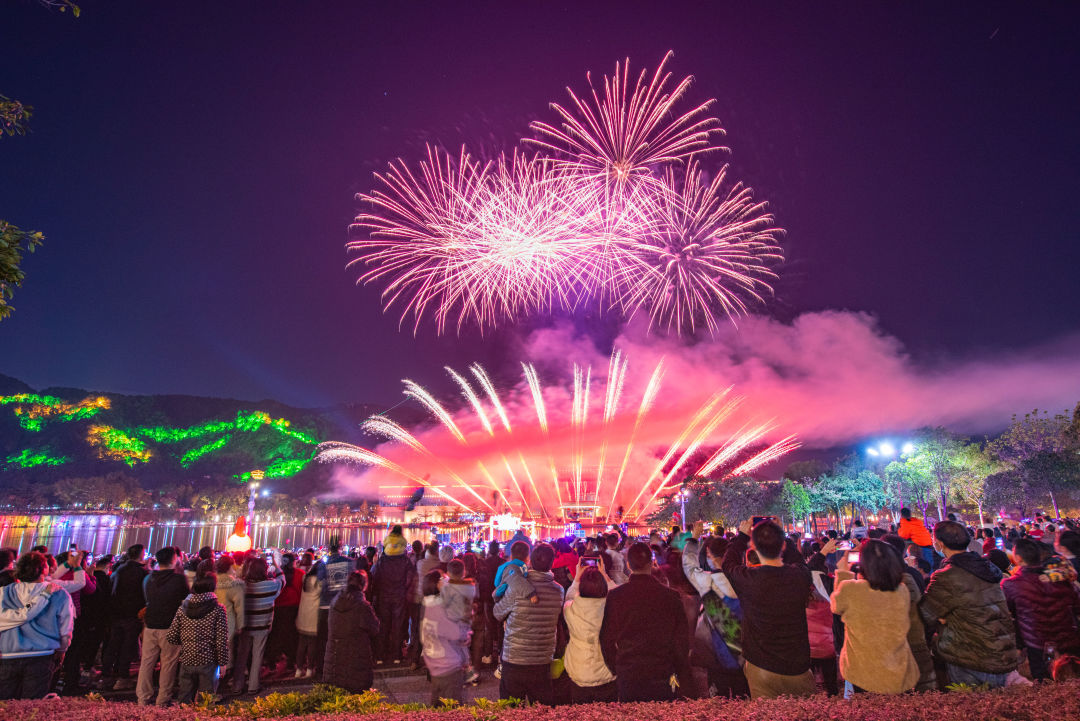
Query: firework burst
x=599 y=217
x=550 y=460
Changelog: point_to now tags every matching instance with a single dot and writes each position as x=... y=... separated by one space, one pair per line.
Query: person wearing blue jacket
x=30 y=651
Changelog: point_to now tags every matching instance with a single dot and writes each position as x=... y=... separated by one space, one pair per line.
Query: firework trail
x=598 y=217
x=508 y=458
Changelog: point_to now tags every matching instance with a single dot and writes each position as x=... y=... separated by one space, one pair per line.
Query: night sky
x=193 y=166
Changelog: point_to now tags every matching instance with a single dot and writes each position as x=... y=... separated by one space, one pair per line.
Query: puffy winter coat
x=530 y=627
x=583 y=658
x=307 y=616
x=353 y=628
x=201 y=629
x=165 y=590
x=978 y=631
x=1045 y=610
x=230 y=594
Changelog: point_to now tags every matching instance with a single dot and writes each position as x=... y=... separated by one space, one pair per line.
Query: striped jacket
x=259 y=603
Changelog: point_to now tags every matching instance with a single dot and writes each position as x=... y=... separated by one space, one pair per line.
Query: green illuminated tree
x=910 y=483
x=974 y=466
x=1041 y=451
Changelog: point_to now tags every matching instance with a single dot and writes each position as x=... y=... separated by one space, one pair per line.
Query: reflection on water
x=112 y=534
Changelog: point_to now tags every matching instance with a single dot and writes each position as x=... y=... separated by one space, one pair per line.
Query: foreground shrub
x=1047 y=702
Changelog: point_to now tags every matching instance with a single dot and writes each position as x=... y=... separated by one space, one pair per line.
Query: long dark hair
x=288 y=567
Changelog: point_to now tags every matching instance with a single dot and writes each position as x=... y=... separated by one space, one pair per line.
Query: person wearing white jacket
x=307 y=625
x=591 y=679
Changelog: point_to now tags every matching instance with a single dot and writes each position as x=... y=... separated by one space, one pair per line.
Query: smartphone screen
x=758 y=519
x=853 y=557
x=589 y=561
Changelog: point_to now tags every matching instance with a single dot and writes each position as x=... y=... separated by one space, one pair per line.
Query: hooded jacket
x=530 y=627
x=1045 y=610
x=50 y=625
x=127 y=590
x=165 y=590
x=230 y=594
x=445 y=641
x=201 y=629
x=353 y=628
x=978 y=631
x=583 y=658
x=394 y=545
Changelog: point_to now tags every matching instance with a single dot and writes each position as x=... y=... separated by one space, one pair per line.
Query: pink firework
x=704 y=249
x=594 y=449
x=627 y=130
x=603 y=220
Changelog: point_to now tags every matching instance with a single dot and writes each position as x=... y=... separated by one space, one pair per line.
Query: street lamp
x=253 y=486
x=684 y=493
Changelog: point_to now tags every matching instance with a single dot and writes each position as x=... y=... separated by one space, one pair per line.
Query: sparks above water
x=598 y=217
x=497 y=455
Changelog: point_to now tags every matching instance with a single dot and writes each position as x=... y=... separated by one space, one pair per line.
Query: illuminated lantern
x=239 y=541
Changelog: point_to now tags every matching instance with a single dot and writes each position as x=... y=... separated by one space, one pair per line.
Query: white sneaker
x=486 y=659
x=498 y=671
x=299 y=673
x=309 y=673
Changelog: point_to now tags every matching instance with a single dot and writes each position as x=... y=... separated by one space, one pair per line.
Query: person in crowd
x=353 y=629
x=858 y=530
x=444 y=639
x=230 y=594
x=333 y=573
x=458 y=595
x=446 y=555
x=282 y=640
x=989 y=542
x=165 y=589
x=590 y=678
x=916 y=586
x=127 y=602
x=531 y=625
x=307 y=625
x=393 y=580
x=772 y=595
x=1045 y=605
x=425 y=561
x=874 y=607
x=1067 y=545
x=644 y=636
x=512 y=573
x=489 y=568
x=820 y=621
x=565 y=563
x=36 y=621
x=261 y=588
x=73 y=576
x=914 y=530
x=95 y=612
x=191 y=567
x=966 y=608
x=616 y=560
x=1002 y=560
x=7 y=566
x=716 y=631
x=200 y=629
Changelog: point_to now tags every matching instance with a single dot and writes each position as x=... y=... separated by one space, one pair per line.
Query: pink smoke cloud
x=832 y=378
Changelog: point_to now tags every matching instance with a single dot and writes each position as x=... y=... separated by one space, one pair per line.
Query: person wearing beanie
x=446 y=555
x=393 y=581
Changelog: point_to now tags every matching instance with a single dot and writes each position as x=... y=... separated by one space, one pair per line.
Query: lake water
x=101 y=534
